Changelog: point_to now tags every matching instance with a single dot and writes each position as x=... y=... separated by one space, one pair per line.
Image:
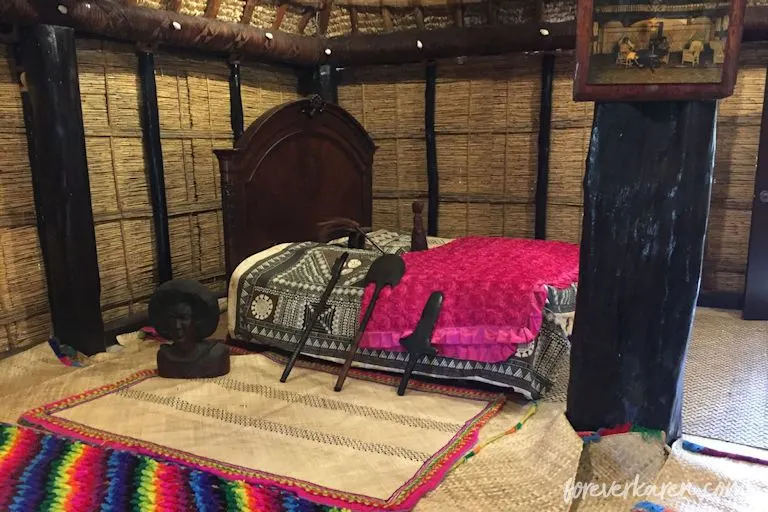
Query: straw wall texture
x=24 y=318
x=389 y=102
x=193 y=103
x=486 y=124
x=263 y=87
x=110 y=94
x=738 y=137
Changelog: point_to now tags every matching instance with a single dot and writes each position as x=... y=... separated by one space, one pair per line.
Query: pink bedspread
x=494 y=288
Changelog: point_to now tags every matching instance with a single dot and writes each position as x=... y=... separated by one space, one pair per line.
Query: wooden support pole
x=56 y=137
x=153 y=154
x=756 y=284
x=279 y=15
x=646 y=204
x=433 y=182
x=545 y=127
x=324 y=18
x=235 y=102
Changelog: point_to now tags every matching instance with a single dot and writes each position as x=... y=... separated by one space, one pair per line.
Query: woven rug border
x=404 y=498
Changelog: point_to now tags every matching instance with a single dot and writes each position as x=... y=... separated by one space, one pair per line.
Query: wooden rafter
x=173 y=5
x=279 y=15
x=248 y=9
x=387 y=18
x=324 y=18
x=304 y=21
x=212 y=8
x=490 y=12
x=458 y=16
x=419 y=18
x=353 y=19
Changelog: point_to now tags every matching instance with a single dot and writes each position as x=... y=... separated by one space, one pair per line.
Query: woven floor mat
x=726 y=379
x=712 y=484
x=525 y=471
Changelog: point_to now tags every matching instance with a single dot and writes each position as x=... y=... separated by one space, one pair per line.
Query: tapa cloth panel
x=273 y=293
x=363 y=449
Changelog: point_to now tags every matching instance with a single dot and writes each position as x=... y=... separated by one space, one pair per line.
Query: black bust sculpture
x=186 y=312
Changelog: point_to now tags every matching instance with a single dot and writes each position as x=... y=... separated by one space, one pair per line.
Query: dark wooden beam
x=756 y=283
x=212 y=9
x=235 y=102
x=490 y=12
x=153 y=27
x=646 y=203
x=153 y=156
x=545 y=125
x=458 y=16
x=248 y=8
x=279 y=15
x=328 y=83
x=401 y=46
x=433 y=182
x=54 y=120
x=173 y=5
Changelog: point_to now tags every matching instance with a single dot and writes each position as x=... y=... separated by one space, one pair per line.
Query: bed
x=297 y=166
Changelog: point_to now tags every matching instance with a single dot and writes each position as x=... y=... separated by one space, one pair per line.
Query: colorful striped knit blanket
x=54 y=474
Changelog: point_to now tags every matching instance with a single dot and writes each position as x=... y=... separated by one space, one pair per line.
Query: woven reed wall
x=24 y=318
x=263 y=87
x=193 y=104
x=738 y=137
x=571 y=127
x=486 y=124
x=389 y=102
x=110 y=94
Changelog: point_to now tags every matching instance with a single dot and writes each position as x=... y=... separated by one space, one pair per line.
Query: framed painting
x=656 y=50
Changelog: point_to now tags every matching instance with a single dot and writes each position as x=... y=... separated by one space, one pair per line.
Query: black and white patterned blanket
x=276 y=296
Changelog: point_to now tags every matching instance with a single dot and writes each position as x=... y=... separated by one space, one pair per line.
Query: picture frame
x=657 y=50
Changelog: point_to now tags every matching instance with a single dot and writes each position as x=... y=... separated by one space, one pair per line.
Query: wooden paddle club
x=386 y=270
x=338 y=265
x=418 y=343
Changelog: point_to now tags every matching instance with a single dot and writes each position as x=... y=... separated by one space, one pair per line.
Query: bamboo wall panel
x=389 y=102
x=738 y=137
x=571 y=128
x=110 y=97
x=486 y=123
x=24 y=317
x=263 y=87
x=193 y=103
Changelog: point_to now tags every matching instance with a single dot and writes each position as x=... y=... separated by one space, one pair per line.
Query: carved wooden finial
x=418 y=235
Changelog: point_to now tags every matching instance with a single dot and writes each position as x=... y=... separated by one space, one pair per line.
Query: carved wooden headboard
x=299 y=164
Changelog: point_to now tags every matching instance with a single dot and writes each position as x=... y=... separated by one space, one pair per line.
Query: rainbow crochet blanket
x=54 y=474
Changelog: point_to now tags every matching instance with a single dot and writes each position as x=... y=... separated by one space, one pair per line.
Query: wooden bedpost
x=646 y=204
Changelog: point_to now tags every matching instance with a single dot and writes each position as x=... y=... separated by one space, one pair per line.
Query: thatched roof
x=344 y=17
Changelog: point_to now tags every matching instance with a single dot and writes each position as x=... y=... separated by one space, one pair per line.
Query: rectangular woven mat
x=363 y=448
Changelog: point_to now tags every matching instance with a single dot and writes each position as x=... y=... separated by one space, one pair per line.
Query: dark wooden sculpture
x=186 y=312
x=418 y=343
x=385 y=271
x=646 y=203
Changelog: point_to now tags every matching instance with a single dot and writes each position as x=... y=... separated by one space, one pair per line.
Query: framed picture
x=641 y=50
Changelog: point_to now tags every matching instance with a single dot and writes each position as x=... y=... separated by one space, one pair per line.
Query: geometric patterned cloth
x=274 y=298
x=51 y=473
